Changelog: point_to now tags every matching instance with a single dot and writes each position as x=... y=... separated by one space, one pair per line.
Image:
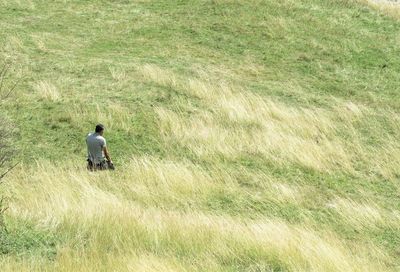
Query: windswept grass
x=117 y=217
x=247 y=136
x=238 y=122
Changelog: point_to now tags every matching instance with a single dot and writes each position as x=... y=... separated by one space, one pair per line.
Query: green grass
x=85 y=62
x=23 y=239
x=335 y=50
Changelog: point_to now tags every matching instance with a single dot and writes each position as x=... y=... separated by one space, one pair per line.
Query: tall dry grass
x=47 y=91
x=128 y=222
x=238 y=122
x=170 y=214
x=154 y=214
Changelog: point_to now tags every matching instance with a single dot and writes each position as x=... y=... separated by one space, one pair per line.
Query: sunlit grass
x=102 y=214
x=247 y=136
x=238 y=122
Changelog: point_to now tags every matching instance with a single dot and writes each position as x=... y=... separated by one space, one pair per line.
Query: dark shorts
x=97 y=166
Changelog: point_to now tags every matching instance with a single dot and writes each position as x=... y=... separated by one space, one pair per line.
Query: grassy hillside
x=247 y=135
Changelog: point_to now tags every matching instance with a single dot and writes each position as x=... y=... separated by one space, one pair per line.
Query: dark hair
x=99 y=128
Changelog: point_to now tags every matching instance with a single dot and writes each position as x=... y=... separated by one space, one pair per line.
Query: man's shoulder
x=100 y=138
x=96 y=136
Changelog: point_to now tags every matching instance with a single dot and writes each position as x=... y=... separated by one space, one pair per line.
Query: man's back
x=95 y=144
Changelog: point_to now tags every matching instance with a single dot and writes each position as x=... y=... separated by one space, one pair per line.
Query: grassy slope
x=231 y=121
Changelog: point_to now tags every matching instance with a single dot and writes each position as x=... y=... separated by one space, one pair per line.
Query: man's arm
x=105 y=150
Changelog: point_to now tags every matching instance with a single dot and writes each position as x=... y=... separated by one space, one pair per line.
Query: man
x=97 y=150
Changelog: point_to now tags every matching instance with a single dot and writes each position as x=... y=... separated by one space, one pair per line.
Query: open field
x=247 y=135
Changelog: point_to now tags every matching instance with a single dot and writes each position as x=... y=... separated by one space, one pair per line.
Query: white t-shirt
x=95 y=143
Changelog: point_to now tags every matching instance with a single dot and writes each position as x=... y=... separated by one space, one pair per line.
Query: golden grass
x=148 y=235
x=158 y=215
x=113 y=115
x=359 y=214
x=239 y=122
x=151 y=180
x=47 y=90
x=281 y=133
x=153 y=216
x=365 y=214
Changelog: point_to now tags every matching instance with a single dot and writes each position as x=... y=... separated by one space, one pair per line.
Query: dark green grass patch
x=22 y=239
